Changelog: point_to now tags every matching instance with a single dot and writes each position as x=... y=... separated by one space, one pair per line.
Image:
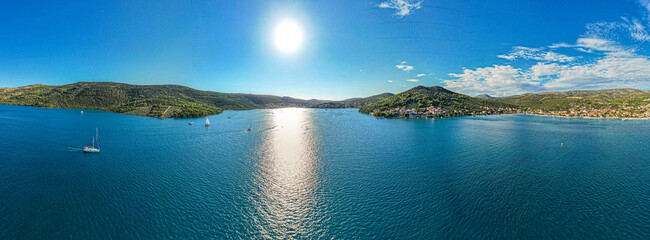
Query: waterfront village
x=436 y=112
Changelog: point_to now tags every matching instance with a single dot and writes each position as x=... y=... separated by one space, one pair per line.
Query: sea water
x=314 y=173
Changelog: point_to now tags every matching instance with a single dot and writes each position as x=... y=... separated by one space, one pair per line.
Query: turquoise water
x=312 y=173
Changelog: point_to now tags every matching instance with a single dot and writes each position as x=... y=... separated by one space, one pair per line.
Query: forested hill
x=439 y=102
x=581 y=99
x=162 y=101
x=354 y=102
x=175 y=101
x=437 y=97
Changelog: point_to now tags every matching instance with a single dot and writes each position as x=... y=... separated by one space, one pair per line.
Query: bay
x=315 y=173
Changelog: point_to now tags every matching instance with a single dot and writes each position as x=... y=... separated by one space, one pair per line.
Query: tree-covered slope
x=561 y=101
x=355 y=102
x=436 y=96
x=146 y=100
x=485 y=96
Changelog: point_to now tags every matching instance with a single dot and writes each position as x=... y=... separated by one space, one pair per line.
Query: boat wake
x=73 y=149
x=268 y=129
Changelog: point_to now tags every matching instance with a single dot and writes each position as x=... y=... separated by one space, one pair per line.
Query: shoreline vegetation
x=592 y=118
x=438 y=102
x=432 y=112
x=160 y=101
x=527 y=114
x=175 y=101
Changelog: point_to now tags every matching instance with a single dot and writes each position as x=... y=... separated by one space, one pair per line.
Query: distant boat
x=190 y=123
x=251 y=127
x=82 y=112
x=207 y=122
x=228 y=117
x=93 y=149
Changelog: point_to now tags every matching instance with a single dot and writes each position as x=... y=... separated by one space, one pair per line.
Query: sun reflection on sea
x=286 y=177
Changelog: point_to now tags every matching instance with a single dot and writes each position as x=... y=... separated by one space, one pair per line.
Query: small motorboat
x=190 y=123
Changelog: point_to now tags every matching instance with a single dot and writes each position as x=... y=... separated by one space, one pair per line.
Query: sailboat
x=93 y=149
x=207 y=122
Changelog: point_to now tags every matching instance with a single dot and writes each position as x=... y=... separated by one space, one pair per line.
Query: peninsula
x=161 y=101
x=438 y=102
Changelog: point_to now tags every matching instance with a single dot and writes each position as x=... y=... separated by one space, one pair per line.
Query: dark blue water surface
x=313 y=173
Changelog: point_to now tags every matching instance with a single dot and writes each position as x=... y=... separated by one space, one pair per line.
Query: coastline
x=529 y=114
x=102 y=110
x=539 y=115
x=222 y=111
x=592 y=118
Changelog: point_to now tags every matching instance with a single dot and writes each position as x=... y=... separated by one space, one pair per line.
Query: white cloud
x=610 y=58
x=607 y=72
x=632 y=28
x=536 y=54
x=610 y=71
x=413 y=80
x=402 y=7
x=421 y=75
x=498 y=80
x=591 y=44
x=637 y=30
x=404 y=67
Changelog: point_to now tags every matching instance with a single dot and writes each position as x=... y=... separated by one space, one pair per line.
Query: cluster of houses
x=626 y=112
x=433 y=112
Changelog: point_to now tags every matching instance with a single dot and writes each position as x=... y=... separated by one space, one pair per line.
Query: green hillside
x=485 y=96
x=438 y=97
x=440 y=102
x=355 y=102
x=562 y=101
x=163 y=101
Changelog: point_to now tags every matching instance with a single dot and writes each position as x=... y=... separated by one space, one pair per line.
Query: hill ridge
x=440 y=102
x=161 y=100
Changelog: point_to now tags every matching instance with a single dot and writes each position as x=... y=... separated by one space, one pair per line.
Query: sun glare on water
x=288 y=36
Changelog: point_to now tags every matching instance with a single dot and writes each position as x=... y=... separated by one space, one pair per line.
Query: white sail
x=95 y=140
x=207 y=122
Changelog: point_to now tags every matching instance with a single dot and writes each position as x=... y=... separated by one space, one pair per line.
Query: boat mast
x=97 y=137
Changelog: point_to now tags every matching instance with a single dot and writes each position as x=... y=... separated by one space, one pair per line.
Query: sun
x=288 y=36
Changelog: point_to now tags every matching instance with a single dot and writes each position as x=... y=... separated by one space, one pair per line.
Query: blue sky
x=349 y=48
